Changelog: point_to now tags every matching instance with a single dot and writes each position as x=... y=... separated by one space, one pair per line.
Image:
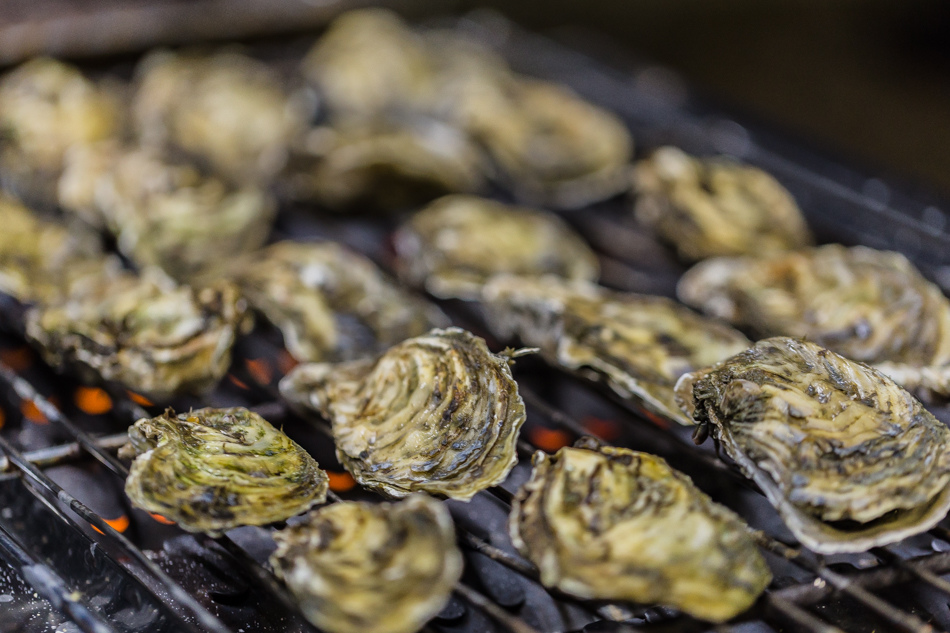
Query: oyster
x=850 y=460
x=145 y=332
x=638 y=344
x=385 y=166
x=47 y=107
x=331 y=303
x=380 y=567
x=165 y=213
x=438 y=413
x=714 y=206
x=226 y=108
x=457 y=243
x=614 y=524
x=211 y=470
x=871 y=306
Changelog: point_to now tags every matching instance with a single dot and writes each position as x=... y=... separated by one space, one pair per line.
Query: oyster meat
x=226 y=108
x=438 y=413
x=331 y=303
x=610 y=523
x=165 y=213
x=849 y=459
x=211 y=470
x=371 y=567
x=147 y=333
x=457 y=243
x=869 y=305
x=638 y=344
x=707 y=207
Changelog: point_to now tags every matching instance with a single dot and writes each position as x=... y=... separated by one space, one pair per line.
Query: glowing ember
x=549 y=440
x=32 y=413
x=341 y=481
x=3 y=418
x=119 y=524
x=238 y=382
x=93 y=400
x=160 y=519
x=260 y=370
x=140 y=399
x=286 y=362
x=18 y=358
x=607 y=430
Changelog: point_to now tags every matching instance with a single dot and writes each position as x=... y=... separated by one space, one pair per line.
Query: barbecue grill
x=76 y=557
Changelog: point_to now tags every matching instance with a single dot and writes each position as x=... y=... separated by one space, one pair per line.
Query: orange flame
x=340 y=481
x=549 y=440
x=140 y=399
x=161 y=519
x=120 y=524
x=260 y=369
x=18 y=358
x=607 y=430
x=237 y=381
x=93 y=400
x=32 y=413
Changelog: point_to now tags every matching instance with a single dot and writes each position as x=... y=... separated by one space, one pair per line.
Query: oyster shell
x=226 y=108
x=871 y=306
x=638 y=344
x=165 y=213
x=848 y=458
x=380 y=567
x=144 y=332
x=457 y=243
x=708 y=207
x=331 y=303
x=47 y=107
x=614 y=524
x=211 y=470
x=438 y=413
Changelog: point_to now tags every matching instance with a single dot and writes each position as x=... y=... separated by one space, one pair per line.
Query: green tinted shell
x=613 y=524
x=211 y=470
x=457 y=243
x=438 y=413
x=714 y=206
x=371 y=567
x=639 y=345
x=850 y=460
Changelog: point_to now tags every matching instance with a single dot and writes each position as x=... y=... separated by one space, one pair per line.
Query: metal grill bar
x=54 y=455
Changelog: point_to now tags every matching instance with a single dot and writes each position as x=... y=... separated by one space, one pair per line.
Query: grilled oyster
x=615 y=524
x=638 y=344
x=849 y=459
x=714 y=206
x=438 y=413
x=331 y=303
x=165 y=213
x=226 y=108
x=211 y=470
x=457 y=243
x=380 y=567
x=385 y=166
x=46 y=107
x=868 y=305
x=145 y=332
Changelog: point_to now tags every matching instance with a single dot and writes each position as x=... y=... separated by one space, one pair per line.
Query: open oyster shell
x=438 y=413
x=371 y=567
x=211 y=470
x=614 y=524
x=848 y=458
x=47 y=107
x=165 y=213
x=226 y=108
x=331 y=303
x=871 y=306
x=708 y=207
x=145 y=332
x=638 y=344
x=457 y=243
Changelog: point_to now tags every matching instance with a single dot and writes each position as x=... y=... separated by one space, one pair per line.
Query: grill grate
x=893 y=588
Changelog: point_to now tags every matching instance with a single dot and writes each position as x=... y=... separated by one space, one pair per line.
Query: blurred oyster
x=211 y=470
x=868 y=305
x=144 y=332
x=46 y=107
x=714 y=206
x=165 y=213
x=380 y=567
x=638 y=344
x=850 y=460
x=385 y=166
x=41 y=261
x=457 y=243
x=613 y=524
x=226 y=108
x=331 y=303
x=438 y=413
